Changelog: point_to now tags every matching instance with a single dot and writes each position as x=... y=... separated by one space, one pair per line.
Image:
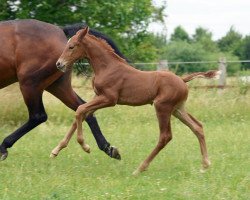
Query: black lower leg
x=10 y=140
x=100 y=139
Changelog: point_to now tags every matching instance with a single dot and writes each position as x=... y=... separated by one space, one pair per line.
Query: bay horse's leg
x=37 y=115
x=197 y=129
x=163 y=112
x=62 y=90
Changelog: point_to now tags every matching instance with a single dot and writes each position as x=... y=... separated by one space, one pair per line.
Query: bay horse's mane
x=108 y=47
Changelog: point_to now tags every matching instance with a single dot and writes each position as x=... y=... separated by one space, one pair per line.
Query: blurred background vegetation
x=126 y=22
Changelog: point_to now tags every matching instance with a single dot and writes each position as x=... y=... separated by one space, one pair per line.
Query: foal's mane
x=106 y=45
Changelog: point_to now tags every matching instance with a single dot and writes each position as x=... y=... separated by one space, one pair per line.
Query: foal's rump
x=173 y=88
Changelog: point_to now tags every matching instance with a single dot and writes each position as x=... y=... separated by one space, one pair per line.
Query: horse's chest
x=98 y=86
x=97 y=91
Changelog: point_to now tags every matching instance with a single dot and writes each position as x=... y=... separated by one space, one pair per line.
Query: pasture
x=29 y=173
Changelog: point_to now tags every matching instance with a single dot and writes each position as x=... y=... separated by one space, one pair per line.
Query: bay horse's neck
x=101 y=56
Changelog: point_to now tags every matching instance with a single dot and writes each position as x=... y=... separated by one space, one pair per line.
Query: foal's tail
x=208 y=74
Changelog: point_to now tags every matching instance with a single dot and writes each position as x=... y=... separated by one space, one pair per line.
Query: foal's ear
x=83 y=33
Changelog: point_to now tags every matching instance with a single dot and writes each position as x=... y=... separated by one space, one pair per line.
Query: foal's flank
x=116 y=82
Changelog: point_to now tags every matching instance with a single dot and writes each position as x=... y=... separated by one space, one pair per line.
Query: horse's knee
x=80 y=114
x=77 y=116
x=164 y=139
x=80 y=140
x=38 y=118
x=198 y=130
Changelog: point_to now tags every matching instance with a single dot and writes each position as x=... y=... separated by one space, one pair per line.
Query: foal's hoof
x=86 y=148
x=136 y=173
x=52 y=155
x=3 y=156
x=205 y=166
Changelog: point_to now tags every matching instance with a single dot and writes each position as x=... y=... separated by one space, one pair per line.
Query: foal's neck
x=100 y=55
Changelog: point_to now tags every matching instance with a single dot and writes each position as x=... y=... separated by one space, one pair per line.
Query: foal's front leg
x=64 y=142
x=88 y=108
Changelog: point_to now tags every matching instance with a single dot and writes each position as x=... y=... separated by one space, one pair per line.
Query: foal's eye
x=71 y=47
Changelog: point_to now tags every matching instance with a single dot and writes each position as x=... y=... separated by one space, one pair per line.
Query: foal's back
x=146 y=87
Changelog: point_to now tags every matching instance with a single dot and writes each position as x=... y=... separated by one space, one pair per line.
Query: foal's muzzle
x=61 y=66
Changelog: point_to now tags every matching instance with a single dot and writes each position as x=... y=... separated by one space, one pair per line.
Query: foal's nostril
x=58 y=64
x=61 y=66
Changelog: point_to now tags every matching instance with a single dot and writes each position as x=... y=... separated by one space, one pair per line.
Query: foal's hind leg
x=197 y=129
x=163 y=114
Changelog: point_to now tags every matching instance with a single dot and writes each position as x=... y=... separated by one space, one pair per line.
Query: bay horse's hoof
x=112 y=152
x=3 y=156
x=115 y=153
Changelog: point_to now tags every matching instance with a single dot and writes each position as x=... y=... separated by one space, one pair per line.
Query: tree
x=180 y=51
x=204 y=37
x=231 y=42
x=180 y=35
x=123 y=21
x=245 y=51
x=201 y=33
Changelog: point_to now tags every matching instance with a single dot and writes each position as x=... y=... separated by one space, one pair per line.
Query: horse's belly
x=136 y=98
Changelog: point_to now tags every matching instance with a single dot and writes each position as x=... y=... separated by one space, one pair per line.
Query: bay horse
x=116 y=82
x=28 y=54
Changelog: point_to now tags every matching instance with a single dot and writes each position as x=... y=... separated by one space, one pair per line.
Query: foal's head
x=73 y=51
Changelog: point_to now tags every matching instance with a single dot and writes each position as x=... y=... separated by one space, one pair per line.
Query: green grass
x=29 y=173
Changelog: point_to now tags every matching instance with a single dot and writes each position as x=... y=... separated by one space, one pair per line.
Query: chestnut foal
x=116 y=82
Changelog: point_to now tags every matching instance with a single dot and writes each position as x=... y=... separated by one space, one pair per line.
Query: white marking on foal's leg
x=205 y=165
x=142 y=167
x=54 y=152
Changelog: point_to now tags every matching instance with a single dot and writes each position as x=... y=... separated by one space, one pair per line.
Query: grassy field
x=29 y=173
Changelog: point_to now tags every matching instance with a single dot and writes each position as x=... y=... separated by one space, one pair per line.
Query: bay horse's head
x=73 y=51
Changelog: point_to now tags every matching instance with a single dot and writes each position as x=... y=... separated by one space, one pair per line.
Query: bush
x=181 y=51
